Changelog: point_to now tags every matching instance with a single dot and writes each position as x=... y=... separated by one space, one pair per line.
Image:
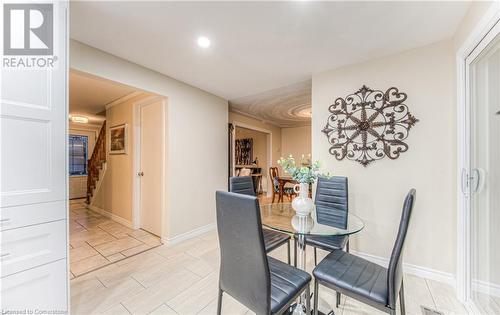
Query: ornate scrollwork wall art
x=369 y=125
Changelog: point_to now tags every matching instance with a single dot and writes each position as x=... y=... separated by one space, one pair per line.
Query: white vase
x=302 y=204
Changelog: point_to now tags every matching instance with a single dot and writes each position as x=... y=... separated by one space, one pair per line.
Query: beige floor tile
x=92 y=222
x=115 y=229
x=91 y=237
x=85 y=265
x=149 y=276
x=115 y=257
x=445 y=298
x=352 y=307
x=82 y=252
x=136 y=250
x=116 y=246
x=115 y=273
x=99 y=301
x=199 y=267
x=172 y=284
x=163 y=310
x=197 y=297
x=229 y=306
x=168 y=251
x=149 y=239
x=417 y=294
x=486 y=303
x=84 y=286
x=118 y=309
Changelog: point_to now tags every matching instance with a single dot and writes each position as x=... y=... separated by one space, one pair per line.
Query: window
x=78 y=155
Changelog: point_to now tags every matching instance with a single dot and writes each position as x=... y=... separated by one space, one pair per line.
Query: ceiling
x=258 y=46
x=88 y=95
x=285 y=107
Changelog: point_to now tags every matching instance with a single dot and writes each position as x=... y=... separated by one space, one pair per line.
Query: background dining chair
x=363 y=280
x=274 y=175
x=263 y=284
x=272 y=239
x=332 y=207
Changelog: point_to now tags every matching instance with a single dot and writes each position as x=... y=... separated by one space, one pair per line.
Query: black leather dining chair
x=363 y=280
x=332 y=207
x=272 y=239
x=261 y=283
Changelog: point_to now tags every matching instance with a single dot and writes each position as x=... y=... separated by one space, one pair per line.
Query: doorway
x=151 y=165
x=484 y=77
x=480 y=183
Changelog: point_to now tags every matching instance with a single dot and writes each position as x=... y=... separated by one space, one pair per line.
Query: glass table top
x=281 y=217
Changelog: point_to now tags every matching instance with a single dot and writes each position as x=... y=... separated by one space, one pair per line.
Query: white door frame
x=475 y=43
x=136 y=185
x=269 y=143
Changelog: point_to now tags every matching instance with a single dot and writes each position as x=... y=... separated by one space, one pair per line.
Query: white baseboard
x=415 y=270
x=188 y=235
x=486 y=287
x=110 y=215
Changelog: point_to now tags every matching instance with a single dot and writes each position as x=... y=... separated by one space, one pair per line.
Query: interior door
x=34 y=165
x=152 y=171
x=484 y=80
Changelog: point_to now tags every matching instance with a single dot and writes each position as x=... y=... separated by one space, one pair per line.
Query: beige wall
x=196 y=145
x=296 y=141
x=476 y=11
x=376 y=192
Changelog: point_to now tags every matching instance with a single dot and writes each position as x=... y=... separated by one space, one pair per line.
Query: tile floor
x=96 y=241
x=182 y=279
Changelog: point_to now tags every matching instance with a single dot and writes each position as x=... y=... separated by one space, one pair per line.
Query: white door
x=484 y=80
x=151 y=169
x=33 y=136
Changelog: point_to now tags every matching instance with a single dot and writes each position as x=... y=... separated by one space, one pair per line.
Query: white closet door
x=33 y=186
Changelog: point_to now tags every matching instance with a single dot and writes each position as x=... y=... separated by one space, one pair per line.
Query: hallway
x=97 y=241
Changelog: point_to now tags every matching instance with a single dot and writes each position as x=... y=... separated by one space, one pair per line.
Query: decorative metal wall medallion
x=368 y=125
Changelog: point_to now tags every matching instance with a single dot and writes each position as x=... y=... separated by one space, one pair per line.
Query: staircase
x=96 y=163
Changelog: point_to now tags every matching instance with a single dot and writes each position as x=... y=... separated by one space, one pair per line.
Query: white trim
x=490 y=18
x=110 y=215
x=123 y=99
x=169 y=241
x=486 y=287
x=269 y=140
x=411 y=269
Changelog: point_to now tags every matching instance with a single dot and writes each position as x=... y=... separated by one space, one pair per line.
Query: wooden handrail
x=96 y=161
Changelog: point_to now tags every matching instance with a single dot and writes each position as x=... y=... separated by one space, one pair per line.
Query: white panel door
x=152 y=144
x=33 y=161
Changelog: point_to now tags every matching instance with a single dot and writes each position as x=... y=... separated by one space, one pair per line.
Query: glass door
x=484 y=82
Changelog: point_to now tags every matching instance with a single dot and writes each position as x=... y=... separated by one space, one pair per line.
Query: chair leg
x=337 y=302
x=294 y=252
x=308 y=300
x=315 y=257
x=274 y=194
x=316 y=297
x=402 y=299
x=347 y=246
x=288 y=249
x=219 y=302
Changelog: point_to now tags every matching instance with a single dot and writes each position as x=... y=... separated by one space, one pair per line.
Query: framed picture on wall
x=118 y=139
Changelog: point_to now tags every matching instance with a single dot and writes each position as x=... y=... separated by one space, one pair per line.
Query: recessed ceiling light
x=203 y=42
x=79 y=119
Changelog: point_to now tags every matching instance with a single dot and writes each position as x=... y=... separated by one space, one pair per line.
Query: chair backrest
x=242 y=185
x=273 y=172
x=395 y=270
x=332 y=201
x=244 y=269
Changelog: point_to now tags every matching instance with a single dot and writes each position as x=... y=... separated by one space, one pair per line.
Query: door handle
x=465 y=182
x=140 y=173
x=477 y=178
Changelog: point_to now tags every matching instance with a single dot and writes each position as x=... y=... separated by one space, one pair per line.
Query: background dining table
x=282 y=181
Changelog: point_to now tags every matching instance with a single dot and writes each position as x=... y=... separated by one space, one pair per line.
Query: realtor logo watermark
x=28 y=35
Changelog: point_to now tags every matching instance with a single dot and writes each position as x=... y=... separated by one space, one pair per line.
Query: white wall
x=296 y=141
x=376 y=192
x=196 y=137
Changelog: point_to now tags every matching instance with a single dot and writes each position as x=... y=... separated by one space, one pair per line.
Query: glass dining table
x=281 y=217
